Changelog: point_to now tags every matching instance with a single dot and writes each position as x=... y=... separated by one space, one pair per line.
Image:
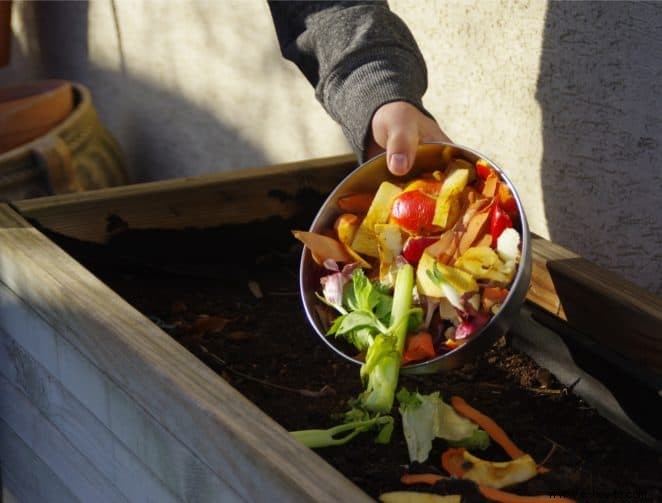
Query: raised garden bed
x=227 y=294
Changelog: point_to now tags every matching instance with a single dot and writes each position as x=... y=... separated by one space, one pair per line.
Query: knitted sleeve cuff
x=354 y=92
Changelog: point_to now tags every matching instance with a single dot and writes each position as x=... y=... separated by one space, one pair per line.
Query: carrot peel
x=421 y=478
x=495 y=432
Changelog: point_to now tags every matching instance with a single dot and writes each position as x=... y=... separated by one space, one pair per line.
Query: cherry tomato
x=414 y=247
x=413 y=211
x=499 y=221
x=483 y=170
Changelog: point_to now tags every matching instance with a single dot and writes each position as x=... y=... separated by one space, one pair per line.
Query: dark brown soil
x=263 y=346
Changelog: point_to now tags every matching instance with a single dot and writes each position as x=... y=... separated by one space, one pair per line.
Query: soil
x=230 y=296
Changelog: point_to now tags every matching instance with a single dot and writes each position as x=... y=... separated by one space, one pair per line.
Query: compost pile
x=230 y=296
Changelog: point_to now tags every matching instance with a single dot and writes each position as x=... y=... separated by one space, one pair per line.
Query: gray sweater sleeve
x=358 y=55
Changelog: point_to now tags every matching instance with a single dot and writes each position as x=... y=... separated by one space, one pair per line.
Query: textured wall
x=566 y=96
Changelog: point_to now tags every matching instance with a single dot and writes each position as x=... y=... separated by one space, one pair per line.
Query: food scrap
x=456 y=227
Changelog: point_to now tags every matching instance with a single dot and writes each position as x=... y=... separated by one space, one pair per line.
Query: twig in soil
x=565 y=391
x=546 y=391
x=555 y=445
x=326 y=390
x=550 y=453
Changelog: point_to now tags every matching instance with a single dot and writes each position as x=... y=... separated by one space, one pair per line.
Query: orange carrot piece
x=323 y=247
x=418 y=347
x=506 y=199
x=445 y=248
x=421 y=478
x=489 y=492
x=356 y=203
x=452 y=460
x=505 y=497
x=495 y=431
x=477 y=227
x=346 y=226
x=491 y=185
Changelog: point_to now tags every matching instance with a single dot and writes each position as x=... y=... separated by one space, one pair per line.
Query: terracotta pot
x=28 y=111
x=78 y=154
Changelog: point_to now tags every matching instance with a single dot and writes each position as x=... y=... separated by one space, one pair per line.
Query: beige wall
x=565 y=96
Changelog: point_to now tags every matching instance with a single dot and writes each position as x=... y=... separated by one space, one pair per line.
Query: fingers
x=401 y=143
x=399 y=127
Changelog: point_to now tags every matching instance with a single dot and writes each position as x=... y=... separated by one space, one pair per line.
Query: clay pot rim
x=15 y=94
x=81 y=97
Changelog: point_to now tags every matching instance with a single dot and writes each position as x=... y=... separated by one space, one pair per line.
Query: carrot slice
x=356 y=203
x=324 y=247
x=421 y=478
x=346 y=226
x=452 y=460
x=444 y=249
x=495 y=432
x=476 y=228
x=491 y=185
x=489 y=492
x=505 y=497
x=418 y=347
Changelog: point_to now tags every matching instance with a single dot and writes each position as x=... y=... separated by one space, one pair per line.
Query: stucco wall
x=566 y=96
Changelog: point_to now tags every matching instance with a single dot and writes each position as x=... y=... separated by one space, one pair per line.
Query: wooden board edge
x=597 y=302
x=125 y=342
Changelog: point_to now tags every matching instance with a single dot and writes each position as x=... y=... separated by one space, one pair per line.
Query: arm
x=367 y=71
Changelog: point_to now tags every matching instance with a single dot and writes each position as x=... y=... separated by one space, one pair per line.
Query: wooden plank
x=55 y=451
x=79 y=426
x=81 y=382
x=25 y=477
x=202 y=201
x=598 y=303
x=243 y=446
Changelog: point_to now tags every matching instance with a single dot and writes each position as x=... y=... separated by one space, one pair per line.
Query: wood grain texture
x=96 y=443
x=244 y=447
x=203 y=201
x=98 y=416
x=25 y=477
x=83 y=480
x=599 y=303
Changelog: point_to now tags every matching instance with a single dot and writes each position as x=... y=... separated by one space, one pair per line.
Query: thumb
x=401 y=146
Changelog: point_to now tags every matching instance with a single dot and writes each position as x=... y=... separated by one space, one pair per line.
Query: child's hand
x=398 y=128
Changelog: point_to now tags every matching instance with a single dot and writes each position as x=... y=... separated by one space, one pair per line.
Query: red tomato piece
x=414 y=247
x=506 y=200
x=483 y=170
x=499 y=221
x=413 y=211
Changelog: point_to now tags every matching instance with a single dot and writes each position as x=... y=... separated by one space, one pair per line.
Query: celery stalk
x=382 y=366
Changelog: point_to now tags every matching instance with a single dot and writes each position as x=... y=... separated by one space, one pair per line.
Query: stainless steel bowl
x=366 y=178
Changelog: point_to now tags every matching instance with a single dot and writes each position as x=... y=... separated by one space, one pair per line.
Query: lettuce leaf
x=426 y=417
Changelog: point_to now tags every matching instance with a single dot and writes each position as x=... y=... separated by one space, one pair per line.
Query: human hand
x=398 y=127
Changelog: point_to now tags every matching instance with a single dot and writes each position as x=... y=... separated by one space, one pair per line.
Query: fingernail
x=397 y=164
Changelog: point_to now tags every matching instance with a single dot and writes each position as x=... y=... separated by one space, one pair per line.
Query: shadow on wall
x=148 y=124
x=600 y=91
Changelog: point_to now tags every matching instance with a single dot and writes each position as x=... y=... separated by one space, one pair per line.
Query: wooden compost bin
x=99 y=404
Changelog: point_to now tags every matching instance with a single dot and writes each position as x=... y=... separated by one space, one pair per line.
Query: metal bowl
x=366 y=178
